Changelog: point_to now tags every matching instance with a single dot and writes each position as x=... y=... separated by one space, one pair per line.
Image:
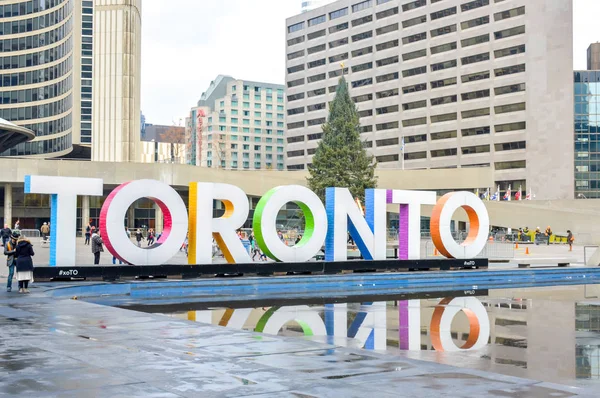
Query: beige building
x=463 y=83
x=163 y=144
x=238 y=125
x=593 y=57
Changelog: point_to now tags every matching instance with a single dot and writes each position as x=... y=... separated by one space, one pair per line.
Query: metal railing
x=30 y=233
x=492 y=250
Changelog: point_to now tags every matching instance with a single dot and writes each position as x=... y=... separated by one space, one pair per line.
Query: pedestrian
x=45 y=230
x=255 y=250
x=24 y=252
x=150 y=237
x=538 y=235
x=298 y=239
x=88 y=233
x=5 y=234
x=548 y=233
x=280 y=236
x=138 y=237
x=17 y=225
x=115 y=261
x=97 y=246
x=11 y=260
x=570 y=239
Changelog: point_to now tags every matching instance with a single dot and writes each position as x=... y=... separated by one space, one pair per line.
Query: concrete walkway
x=68 y=348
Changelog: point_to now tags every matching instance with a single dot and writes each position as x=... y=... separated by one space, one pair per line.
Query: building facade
x=163 y=144
x=462 y=83
x=308 y=5
x=238 y=125
x=593 y=57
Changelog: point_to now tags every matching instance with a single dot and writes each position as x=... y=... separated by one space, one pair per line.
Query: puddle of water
x=548 y=334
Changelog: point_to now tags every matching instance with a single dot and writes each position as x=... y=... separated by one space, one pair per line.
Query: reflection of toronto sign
x=326 y=225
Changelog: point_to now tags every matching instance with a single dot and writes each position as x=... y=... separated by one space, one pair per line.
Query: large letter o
x=264 y=223
x=441 y=324
x=478 y=229
x=115 y=208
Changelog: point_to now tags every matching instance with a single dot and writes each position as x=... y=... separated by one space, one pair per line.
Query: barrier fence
x=492 y=250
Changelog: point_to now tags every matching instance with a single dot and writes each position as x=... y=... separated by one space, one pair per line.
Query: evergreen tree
x=340 y=159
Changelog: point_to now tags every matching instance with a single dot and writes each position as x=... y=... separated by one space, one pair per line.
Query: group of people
x=19 y=252
x=541 y=237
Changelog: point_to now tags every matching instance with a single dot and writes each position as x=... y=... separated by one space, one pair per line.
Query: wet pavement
x=69 y=348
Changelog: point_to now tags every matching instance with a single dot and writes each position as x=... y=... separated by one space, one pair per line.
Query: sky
x=187 y=43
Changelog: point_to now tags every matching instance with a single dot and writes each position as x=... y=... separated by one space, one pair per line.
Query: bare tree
x=174 y=135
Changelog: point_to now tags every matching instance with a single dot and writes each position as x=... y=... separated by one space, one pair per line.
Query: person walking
x=24 y=253
x=88 y=233
x=150 y=237
x=5 y=234
x=97 y=246
x=11 y=260
x=138 y=237
x=45 y=231
x=298 y=239
x=570 y=239
x=548 y=233
x=17 y=225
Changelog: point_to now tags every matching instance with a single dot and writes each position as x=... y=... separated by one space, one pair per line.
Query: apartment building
x=238 y=124
x=481 y=83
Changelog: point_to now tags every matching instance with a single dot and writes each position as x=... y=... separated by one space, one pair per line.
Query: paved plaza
x=70 y=348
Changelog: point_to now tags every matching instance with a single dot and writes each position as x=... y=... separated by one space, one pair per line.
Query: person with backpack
x=24 y=253
x=45 y=231
x=11 y=260
x=97 y=246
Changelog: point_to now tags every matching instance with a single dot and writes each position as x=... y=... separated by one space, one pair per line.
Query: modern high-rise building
x=481 y=83
x=50 y=51
x=593 y=57
x=238 y=124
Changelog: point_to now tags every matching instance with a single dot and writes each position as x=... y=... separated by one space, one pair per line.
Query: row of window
x=28 y=7
x=36 y=23
x=37 y=94
x=52 y=127
x=39 y=111
x=405 y=24
x=246 y=165
x=35 y=41
x=37 y=76
x=41 y=147
x=38 y=58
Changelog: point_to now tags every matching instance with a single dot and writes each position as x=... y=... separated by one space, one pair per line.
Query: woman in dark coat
x=24 y=252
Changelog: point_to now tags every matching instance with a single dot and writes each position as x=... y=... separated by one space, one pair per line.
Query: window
x=505 y=52
x=416 y=138
x=338 y=28
x=365 y=113
x=509 y=70
x=475 y=58
x=387 y=93
x=443 y=65
x=296 y=125
x=448 y=99
x=316 y=49
x=503 y=34
x=502 y=128
x=295 y=111
x=414 y=21
x=338 y=58
x=470 y=150
x=387 y=77
x=315 y=35
x=363 y=5
x=414 y=88
x=414 y=4
x=387 y=61
x=443 y=152
x=473 y=5
x=386 y=126
x=414 y=38
x=362 y=82
x=443 y=48
x=475 y=95
x=414 y=122
x=362 y=51
x=316 y=122
x=386 y=109
x=475 y=131
x=475 y=40
x=337 y=43
x=362 y=67
x=515 y=12
x=387 y=44
x=316 y=20
x=387 y=158
x=472 y=77
x=314 y=93
x=315 y=107
x=317 y=63
x=339 y=13
x=296 y=27
x=443 y=13
x=517 y=164
x=510 y=108
x=362 y=36
x=290 y=84
x=293 y=154
x=443 y=118
x=513 y=88
x=475 y=113
x=387 y=142
x=414 y=55
x=475 y=22
x=443 y=135
x=443 y=31
x=510 y=146
x=414 y=105
x=387 y=13
x=295 y=69
x=382 y=1
x=316 y=78
x=299 y=138
x=415 y=71
x=362 y=21
x=415 y=155
x=295 y=40
x=386 y=29
x=443 y=83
